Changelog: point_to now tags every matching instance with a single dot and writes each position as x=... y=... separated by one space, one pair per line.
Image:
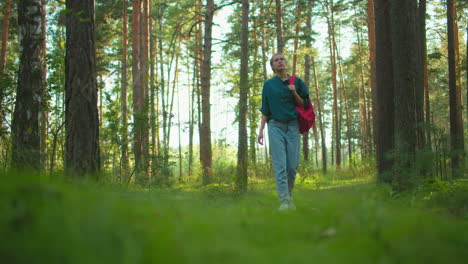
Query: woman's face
x=278 y=63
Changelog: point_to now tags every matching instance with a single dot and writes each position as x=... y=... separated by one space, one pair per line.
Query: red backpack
x=305 y=117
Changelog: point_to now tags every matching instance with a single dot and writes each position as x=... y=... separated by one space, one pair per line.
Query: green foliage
x=8 y=84
x=451 y=197
x=43 y=221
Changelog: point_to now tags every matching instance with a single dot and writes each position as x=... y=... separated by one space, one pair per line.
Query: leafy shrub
x=452 y=196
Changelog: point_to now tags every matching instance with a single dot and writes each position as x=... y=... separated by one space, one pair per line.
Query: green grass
x=44 y=221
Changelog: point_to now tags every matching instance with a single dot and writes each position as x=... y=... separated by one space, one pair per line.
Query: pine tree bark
x=205 y=76
x=137 y=90
x=455 y=104
x=420 y=39
x=199 y=60
x=82 y=124
x=144 y=67
x=279 y=27
x=427 y=105
x=153 y=101
x=296 y=36
x=139 y=71
x=5 y=29
x=263 y=39
x=242 y=153
x=406 y=71
x=371 y=21
x=383 y=110
x=30 y=89
x=123 y=97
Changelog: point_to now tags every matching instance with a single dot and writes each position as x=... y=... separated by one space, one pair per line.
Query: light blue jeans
x=284 y=146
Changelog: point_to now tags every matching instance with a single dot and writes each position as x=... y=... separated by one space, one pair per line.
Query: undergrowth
x=340 y=218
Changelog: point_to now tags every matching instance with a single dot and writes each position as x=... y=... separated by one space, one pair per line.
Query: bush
x=451 y=196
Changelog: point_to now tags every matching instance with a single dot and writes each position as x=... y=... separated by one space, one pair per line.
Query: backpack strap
x=292 y=79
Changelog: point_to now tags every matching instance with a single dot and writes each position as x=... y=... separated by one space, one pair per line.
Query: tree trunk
x=153 y=102
x=144 y=67
x=44 y=114
x=405 y=78
x=383 y=110
x=365 y=137
x=371 y=21
x=205 y=76
x=162 y=87
x=199 y=82
x=456 y=118
x=5 y=29
x=264 y=63
x=318 y=107
x=191 y=99
x=253 y=103
x=279 y=27
x=123 y=97
x=420 y=38
x=29 y=94
x=263 y=41
x=82 y=124
x=427 y=105
x=137 y=87
x=100 y=87
x=296 y=36
x=171 y=106
x=179 y=136
x=195 y=98
x=140 y=140
x=336 y=122
x=242 y=153
x=347 y=114
x=305 y=137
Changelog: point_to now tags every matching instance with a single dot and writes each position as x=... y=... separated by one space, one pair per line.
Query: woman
x=279 y=101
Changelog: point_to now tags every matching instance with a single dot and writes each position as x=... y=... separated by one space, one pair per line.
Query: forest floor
x=336 y=221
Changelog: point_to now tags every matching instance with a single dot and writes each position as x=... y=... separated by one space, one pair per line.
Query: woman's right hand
x=260 y=137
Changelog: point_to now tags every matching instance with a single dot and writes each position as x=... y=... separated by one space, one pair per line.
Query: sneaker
x=283 y=207
x=291 y=205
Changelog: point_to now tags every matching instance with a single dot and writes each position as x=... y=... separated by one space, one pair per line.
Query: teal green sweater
x=278 y=102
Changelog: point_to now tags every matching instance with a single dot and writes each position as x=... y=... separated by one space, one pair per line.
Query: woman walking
x=279 y=101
